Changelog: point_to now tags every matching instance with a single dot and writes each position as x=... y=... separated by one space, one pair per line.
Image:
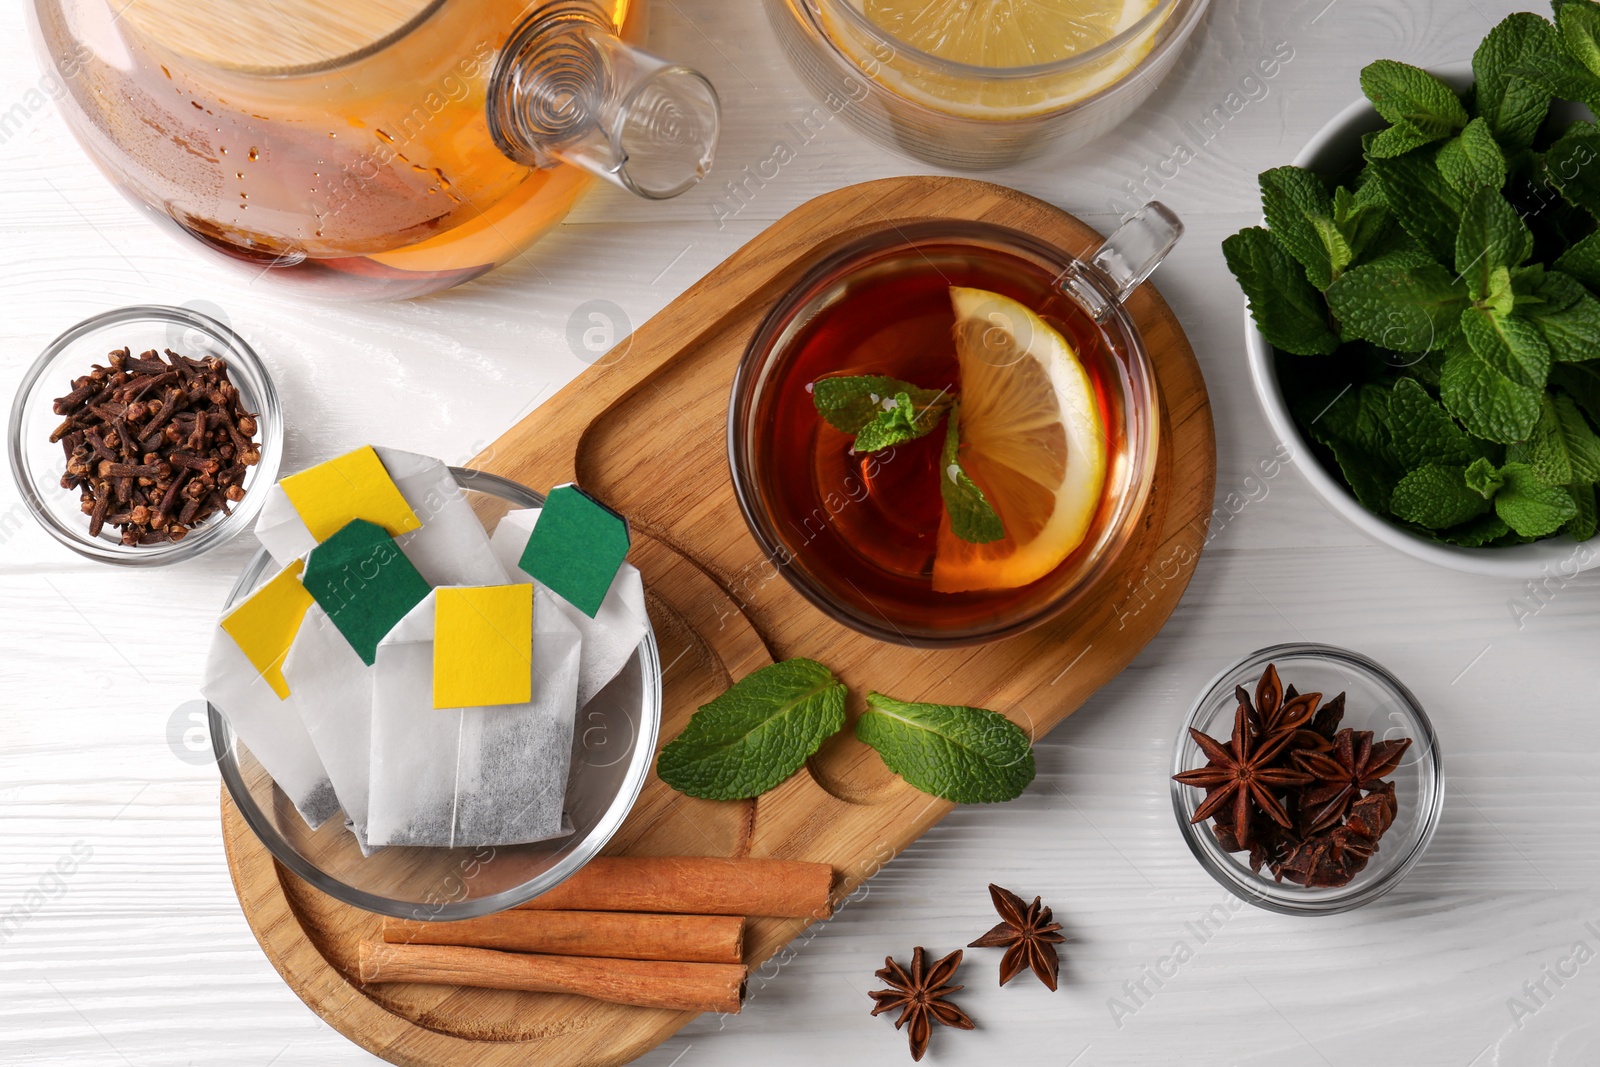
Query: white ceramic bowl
x=1329 y=151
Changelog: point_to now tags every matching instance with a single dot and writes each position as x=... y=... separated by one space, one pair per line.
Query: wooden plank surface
x=144 y=957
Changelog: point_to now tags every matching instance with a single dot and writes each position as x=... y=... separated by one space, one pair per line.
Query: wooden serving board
x=646 y=434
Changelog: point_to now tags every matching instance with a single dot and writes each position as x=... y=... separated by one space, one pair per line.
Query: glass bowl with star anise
x=1307 y=779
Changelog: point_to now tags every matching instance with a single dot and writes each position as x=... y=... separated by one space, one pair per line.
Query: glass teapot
x=373 y=148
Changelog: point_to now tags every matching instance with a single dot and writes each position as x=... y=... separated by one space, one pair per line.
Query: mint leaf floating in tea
x=756 y=734
x=963 y=754
x=900 y=420
x=1028 y=933
x=921 y=996
x=972 y=517
x=849 y=402
x=576 y=548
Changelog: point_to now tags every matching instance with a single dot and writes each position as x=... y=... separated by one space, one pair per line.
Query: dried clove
x=155 y=446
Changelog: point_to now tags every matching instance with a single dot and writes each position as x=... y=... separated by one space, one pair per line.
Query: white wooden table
x=141 y=956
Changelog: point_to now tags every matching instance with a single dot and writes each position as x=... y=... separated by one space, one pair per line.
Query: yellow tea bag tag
x=264 y=625
x=331 y=495
x=482 y=646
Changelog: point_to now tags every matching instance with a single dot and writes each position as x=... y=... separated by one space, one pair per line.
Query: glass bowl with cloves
x=1307 y=779
x=145 y=436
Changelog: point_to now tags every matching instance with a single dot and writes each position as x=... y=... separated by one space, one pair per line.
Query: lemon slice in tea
x=1031 y=438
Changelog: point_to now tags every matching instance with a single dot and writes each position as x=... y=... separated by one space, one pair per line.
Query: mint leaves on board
x=755 y=734
x=1435 y=307
x=764 y=728
x=968 y=755
x=884 y=412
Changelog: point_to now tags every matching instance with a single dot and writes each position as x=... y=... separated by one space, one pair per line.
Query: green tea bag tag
x=364 y=582
x=577 y=547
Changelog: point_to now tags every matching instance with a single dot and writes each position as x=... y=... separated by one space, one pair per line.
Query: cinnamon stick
x=684 y=938
x=642 y=983
x=695 y=885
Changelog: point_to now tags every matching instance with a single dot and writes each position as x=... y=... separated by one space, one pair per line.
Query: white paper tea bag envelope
x=332 y=688
x=245 y=682
x=429 y=517
x=610 y=638
x=492 y=774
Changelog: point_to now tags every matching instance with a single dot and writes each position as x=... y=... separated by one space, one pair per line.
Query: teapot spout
x=567 y=89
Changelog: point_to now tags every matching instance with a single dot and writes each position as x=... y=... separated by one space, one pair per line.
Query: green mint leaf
x=1483 y=478
x=1397 y=140
x=1404 y=309
x=1582 y=525
x=756 y=734
x=1493 y=383
x=1566 y=315
x=1569 y=166
x=1547 y=446
x=1531 y=506
x=1411 y=97
x=1473 y=160
x=1582 y=261
x=1286 y=307
x=972 y=517
x=1361 y=220
x=1492 y=236
x=849 y=402
x=1426 y=205
x=1423 y=431
x=1579 y=29
x=901 y=420
x=1355 y=427
x=1475 y=533
x=1299 y=212
x=962 y=754
x=1563 y=447
x=1501 y=297
x=1581 y=381
x=1512 y=103
x=1437 y=497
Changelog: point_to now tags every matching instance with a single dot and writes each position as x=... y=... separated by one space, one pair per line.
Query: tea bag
x=492 y=774
x=245 y=682
x=333 y=688
x=415 y=498
x=612 y=636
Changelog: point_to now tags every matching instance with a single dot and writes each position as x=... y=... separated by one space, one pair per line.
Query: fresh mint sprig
x=763 y=729
x=1445 y=299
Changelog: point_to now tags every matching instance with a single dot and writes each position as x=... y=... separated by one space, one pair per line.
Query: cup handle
x=1137 y=247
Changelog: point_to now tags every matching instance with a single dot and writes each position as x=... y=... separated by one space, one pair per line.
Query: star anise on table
x=1353 y=763
x=1028 y=935
x=920 y=995
x=1243 y=773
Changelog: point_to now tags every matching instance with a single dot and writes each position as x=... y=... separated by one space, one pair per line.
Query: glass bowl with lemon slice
x=983 y=83
x=946 y=432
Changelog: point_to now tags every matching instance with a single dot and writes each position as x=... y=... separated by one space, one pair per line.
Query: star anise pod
x=1027 y=934
x=1275 y=710
x=1355 y=762
x=1243 y=773
x=920 y=995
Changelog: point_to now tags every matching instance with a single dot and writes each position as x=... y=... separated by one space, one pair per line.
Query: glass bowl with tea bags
x=393 y=696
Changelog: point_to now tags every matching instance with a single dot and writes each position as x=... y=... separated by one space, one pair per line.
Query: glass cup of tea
x=964 y=85
x=1042 y=397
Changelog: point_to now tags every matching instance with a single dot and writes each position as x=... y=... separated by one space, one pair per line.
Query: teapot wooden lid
x=273 y=36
